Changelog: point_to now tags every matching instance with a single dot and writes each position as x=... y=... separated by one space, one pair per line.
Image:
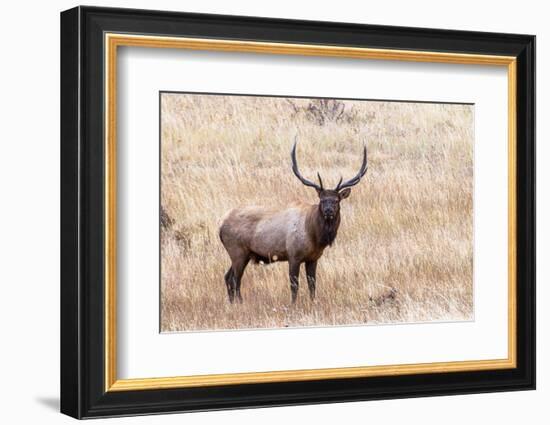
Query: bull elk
x=298 y=233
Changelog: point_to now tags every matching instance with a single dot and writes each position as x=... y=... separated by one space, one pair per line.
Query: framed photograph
x=261 y=212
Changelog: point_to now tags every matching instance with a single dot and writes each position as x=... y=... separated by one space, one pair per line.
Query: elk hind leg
x=239 y=259
x=229 y=283
x=238 y=270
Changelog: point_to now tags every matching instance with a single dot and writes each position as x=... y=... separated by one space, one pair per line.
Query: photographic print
x=281 y=212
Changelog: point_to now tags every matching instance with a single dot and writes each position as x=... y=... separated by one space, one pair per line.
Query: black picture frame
x=83 y=392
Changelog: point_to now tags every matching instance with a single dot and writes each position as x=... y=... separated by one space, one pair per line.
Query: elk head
x=329 y=199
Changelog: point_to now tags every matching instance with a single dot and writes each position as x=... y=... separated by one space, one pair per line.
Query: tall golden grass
x=404 y=249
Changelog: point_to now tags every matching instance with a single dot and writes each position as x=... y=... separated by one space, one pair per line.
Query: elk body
x=297 y=234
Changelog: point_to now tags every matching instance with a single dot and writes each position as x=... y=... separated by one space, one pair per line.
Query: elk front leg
x=311 y=268
x=294 y=275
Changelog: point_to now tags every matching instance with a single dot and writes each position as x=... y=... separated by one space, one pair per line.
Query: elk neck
x=321 y=231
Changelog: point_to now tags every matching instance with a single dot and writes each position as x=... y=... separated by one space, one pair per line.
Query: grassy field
x=404 y=249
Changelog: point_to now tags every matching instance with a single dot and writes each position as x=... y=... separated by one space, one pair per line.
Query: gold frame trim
x=113 y=41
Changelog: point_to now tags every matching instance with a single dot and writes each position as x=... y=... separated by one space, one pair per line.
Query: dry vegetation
x=404 y=249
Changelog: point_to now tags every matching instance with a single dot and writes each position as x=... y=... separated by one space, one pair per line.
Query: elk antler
x=357 y=178
x=297 y=172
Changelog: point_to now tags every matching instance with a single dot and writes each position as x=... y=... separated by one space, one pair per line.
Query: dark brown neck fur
x=323 y=232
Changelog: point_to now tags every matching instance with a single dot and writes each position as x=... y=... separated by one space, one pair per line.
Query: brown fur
x=297 y=234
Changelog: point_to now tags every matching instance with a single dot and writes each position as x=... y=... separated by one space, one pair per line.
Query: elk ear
x=344 y=193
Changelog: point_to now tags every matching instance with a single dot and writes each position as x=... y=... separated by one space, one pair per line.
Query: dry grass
x=404 y=249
